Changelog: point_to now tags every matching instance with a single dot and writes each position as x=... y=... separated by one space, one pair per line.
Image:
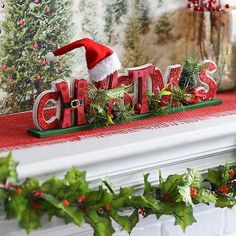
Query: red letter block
x=209 y=86
x=69 y=104
x=140 y=76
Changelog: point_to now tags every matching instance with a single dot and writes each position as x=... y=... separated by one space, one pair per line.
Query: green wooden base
x=53 y=132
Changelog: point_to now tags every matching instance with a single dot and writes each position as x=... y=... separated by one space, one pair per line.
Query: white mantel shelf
x=124 y=158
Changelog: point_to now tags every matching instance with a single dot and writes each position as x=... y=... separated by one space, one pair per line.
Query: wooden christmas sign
x=109 y=98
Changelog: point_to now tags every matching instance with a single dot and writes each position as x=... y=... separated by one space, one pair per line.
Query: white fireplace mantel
x=124 y=158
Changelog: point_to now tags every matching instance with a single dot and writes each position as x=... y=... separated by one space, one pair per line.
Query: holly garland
x=73 y=200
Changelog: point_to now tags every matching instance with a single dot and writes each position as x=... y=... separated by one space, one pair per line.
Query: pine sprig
x=73 y=200
x=188 y=77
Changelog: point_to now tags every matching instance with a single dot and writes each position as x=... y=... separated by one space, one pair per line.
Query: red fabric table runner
x=13 y=128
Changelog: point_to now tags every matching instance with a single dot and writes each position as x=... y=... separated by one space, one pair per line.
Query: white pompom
x=50 y=57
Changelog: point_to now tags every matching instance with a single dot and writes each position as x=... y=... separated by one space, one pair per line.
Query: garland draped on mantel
x=73 y=200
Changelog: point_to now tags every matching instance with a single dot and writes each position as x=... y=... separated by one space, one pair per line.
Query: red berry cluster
x=142 y=212
x=207 y=5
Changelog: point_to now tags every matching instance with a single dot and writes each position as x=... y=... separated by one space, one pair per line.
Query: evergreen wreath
x=73 y=200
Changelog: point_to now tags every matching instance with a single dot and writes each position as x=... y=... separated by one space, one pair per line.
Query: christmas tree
x=32 y=28
x=91 y=24
x=143 y=14
x=114 y=12
x=135 y=51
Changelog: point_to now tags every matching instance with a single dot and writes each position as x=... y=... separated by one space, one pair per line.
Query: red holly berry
x=193 y=192
x=19 y=190
x=66 y=203
x=108 y=207
x=142 y=211
x=81 y=199
x=231 y=173
x=100 y=211
x=224 y=189
x=166 y=197
x=38 y=193
x=36 y=205
x=227 y=6
x=85 y=210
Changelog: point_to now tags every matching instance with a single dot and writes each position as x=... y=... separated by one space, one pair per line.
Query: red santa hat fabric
x=101 y=61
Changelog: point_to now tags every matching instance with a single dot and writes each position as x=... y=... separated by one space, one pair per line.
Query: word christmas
x=72 y=98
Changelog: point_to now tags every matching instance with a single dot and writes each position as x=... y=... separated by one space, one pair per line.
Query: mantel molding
x=124 y=158
x=202 y=144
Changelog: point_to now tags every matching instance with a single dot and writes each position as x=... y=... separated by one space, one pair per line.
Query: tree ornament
x=4 y=67
x=38 y=77
x=44 y=62
x=48 y=10
x=36 y=1
x=36 y=45
x=31 y=5
x=50 y=57
x=23 y=53
x=21 y=22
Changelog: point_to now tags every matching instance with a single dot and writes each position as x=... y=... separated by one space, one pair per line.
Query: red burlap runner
x=13 y=128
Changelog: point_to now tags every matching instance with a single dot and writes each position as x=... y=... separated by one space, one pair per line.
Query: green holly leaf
x=75 y=176
x=30 y=184
x=28 y=218
x=98 y=198
x=170 y=186
x=183 y=215
x=30 y=221
x=101 y=224
x=9 y=209
x=8 y=171
x=184 y=192
x=55 y=187
x=147 y=185
x=74 y=214
x=161 y=180
x=126 y=222
x=223 y=202
x=193 y=178
x=226 y=176
x=165 y=93
x=121 y=199
x=205 y=196
x=215 y=177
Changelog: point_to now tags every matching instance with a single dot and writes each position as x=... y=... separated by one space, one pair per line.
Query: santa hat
x=101 y=61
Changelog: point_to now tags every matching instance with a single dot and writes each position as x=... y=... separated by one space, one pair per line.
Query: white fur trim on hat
x=104 y=68
x=50 y=57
